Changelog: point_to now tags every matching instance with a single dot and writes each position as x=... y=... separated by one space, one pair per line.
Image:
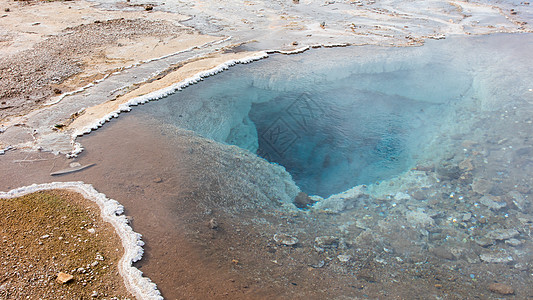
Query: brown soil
x=45 y=233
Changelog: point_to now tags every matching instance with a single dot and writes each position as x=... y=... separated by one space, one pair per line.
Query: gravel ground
x=45 y=233
x=30 y=77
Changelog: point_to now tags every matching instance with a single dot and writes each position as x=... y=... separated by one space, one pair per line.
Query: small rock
x=75 y=164
x=502 y=289
x=285 y=239
x=327 y=241
x=419 y=195
x=492 y=203
x=344 y=258
x=64 y=277
x=57 y=91
x=483 y=241
x=158 y=180
x=213 y=224
x=91 y=230
x=467 y=217
x=482 y=186
x=496 y=257
x=419 y=219
x=45 y=236
x=513 y=242
x=466 y=165
x=502 y=234
x=442 y=252
x=449 y=172
x=401 y=196
x=519 y=200
x=302 y=200
x=94 y=264
x=7 y=9
x=295 y=43
x=318 y=265
x=99 y=257
x=148 y=7
x=94 y=294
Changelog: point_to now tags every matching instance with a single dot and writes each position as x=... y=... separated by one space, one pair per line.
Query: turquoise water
x=337 y=118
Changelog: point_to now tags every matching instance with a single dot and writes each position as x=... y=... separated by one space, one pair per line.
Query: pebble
x=419 y=219
x=344 y=258
x=513 y=242
x=213 y=224
x=420 y=195
x=518 y=200
x=442 y=252
x=449 y=172
x=91 y=230
x=490 y=202
x=482 y=186
x=64 y=277
x=285 y=239
x=94 y=294
x=401 y=196
x=483 y=241
x=496 y=257
x=502 y=234
x=502 y=289
x=327 y=241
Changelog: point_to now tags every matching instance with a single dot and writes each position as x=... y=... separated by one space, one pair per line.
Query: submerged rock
x=502 y=234
x=285 y=239
x=449 y=172
x=497 y=257
x=344 y=258
x=303 y=200
x=519 y=200
x=419 y=219
x=340 y=202
x=502 y=289
x=482 y=186
x=492 y=203
x=327 y=241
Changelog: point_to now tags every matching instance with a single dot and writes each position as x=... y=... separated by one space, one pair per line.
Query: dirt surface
x=58 y=58
x=45 y=233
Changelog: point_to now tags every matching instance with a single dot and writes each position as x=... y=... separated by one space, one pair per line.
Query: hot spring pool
x=342 y=117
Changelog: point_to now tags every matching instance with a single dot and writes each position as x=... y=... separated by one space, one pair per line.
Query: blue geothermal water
x=337 y=118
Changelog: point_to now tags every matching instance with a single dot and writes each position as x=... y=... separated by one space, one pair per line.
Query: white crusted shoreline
x=111 y=211
x=77 y=148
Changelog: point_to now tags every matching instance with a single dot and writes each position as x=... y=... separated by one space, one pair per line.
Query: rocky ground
x=56 y=246
x=464 y=234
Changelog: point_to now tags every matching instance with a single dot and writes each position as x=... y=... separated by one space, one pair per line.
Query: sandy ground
x=46 y=233
x=66 y=64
